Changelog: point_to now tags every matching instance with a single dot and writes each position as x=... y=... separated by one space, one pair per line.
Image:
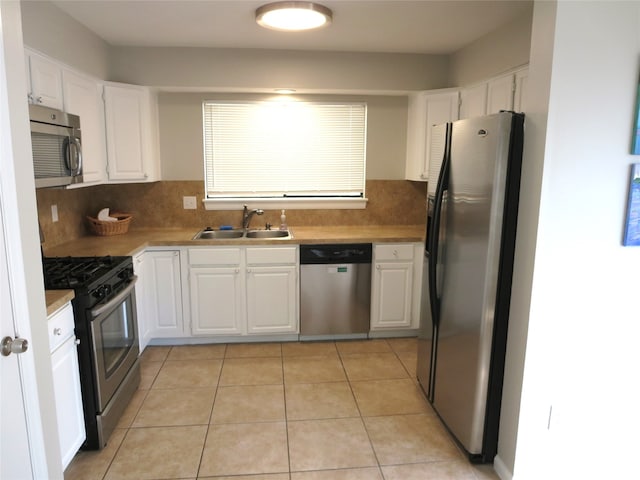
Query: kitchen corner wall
x=159 y=205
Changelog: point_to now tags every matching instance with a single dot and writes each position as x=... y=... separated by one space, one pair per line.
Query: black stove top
x=80 y=272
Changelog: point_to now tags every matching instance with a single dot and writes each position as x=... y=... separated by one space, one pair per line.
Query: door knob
x=13 y=345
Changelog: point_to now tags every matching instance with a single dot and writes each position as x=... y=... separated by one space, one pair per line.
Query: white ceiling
x=397 y=26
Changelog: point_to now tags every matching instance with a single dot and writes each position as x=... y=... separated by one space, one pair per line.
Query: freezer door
x=473 y=224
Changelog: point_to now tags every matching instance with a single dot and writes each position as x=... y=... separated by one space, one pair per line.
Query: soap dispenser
x=283 y=221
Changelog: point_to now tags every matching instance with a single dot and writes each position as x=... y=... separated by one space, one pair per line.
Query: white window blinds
x=284 y=149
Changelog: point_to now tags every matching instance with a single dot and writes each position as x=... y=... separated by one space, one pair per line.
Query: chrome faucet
x=247 y=215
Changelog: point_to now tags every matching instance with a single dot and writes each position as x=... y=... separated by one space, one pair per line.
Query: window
x=284 y=151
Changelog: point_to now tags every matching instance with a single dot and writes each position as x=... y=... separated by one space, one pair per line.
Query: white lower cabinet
x=66 y=382
x=395 y=289
x=162 y=294
x=216 y=301
x=272 y=290
x=144 y=332
x=243 y=290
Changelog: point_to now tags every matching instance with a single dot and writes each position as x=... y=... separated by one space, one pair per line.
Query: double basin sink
x=209 y=234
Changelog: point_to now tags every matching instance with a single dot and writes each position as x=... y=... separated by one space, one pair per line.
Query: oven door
x=115 y=341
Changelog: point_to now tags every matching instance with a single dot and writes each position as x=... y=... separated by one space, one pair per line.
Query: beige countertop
x=56 y=299
x=137 y=240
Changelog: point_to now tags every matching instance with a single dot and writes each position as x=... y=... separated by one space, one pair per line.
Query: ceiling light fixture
x=293 y=16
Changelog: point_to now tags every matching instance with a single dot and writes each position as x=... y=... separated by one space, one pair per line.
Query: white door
x=15 y=460
x=29 y=446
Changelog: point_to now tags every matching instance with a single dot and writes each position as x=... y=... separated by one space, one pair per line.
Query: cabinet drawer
x=214 y=256
x=61 y=326
x=271 y=255
x=394 y=251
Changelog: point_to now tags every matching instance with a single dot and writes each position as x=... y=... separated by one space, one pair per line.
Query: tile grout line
x=213 y=404
x=286 y=419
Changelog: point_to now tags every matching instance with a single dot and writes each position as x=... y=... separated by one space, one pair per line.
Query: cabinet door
x=391 y=295
x=425 y=111
x=141 y=301
x=500 y=94
x=68 y=399
x=127 y=123
x=216 y=301
x=521 y=90
x=473 y=101
x=163 y=293
x=83 y=97
x=272 y=299
x=45 y=81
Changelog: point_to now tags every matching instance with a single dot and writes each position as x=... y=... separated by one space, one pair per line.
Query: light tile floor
x=347 y=410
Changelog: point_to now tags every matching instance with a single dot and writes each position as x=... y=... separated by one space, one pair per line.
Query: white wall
x=181 y=132
x=582 y=355
x=501 y=50
x=49 y=30
x=247 y=69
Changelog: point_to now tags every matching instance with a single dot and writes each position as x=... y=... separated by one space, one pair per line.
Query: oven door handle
x=115 y=301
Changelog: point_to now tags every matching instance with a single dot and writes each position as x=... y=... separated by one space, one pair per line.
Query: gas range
x=97 y=277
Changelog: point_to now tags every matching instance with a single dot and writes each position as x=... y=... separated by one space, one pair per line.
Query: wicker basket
x=100 y=227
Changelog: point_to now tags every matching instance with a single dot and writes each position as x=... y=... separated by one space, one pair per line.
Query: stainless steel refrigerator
x=472 y=207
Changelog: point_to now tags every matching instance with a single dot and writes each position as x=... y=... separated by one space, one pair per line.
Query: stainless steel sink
x=251 y=234
x=281 y=234
x=217 y=234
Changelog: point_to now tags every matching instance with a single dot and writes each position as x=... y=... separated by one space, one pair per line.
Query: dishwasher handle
x=335 y=253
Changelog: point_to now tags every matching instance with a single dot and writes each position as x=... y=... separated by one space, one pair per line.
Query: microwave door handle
x=115 y=301
x=73 y=157
x=67 y=154
x=78 y=147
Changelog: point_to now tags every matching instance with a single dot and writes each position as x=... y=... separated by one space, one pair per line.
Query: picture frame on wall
x=632 y=225
x=635 y=141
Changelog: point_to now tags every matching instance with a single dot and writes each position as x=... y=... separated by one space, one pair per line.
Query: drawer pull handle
x=57 y=331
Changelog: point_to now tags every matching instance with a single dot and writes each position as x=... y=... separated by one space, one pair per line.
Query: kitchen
x=422 y=86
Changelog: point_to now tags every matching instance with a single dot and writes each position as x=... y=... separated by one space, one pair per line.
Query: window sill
x=279 y=203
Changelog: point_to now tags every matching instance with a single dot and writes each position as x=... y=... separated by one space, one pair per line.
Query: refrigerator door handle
x=443 y=180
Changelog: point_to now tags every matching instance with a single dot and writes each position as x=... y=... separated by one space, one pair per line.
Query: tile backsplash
x=159 y=204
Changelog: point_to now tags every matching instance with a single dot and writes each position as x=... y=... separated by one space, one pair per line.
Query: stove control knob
x=125 y=274
x=101 y=292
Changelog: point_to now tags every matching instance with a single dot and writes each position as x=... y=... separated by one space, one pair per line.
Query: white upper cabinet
x=83 y=97
x=426 y=109
x=131 y=121
x=44 y=81
x=500 y=94
x=473 y=101
x=520 y=94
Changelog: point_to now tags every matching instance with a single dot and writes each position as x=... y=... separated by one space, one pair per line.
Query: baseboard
x=501 y=469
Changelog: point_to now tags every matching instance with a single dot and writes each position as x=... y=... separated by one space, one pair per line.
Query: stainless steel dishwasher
x=335 y=290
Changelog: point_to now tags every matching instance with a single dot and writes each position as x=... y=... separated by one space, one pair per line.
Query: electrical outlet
x=54 y=213
x=189 y=203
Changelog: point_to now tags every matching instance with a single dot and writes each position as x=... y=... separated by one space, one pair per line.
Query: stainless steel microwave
x=56 y=143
